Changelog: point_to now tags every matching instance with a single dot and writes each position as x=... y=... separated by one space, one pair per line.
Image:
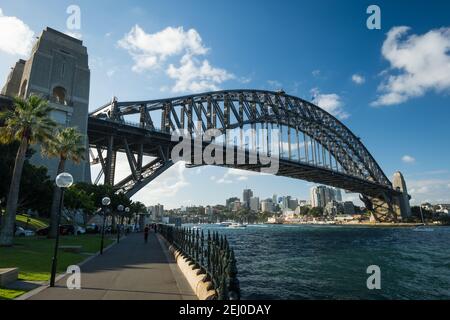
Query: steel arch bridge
x=313 y=144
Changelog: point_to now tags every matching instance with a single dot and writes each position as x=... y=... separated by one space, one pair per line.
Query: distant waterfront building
x=230 y=202
x=156 y=212
x=322 y=195
x=303 y=203
x=293 y=204
x=236 y=206
x=285 y=202
x=267 y=205
x=333 y=208
x=338 y=195
x=209 y=212
x=349 y=208
x=427 y=206
x=443 y=208
x=254 y=204
x=275 y=198
x=246 y=197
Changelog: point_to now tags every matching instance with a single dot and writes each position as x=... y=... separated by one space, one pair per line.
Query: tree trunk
x=9 y=220
x=55 y=204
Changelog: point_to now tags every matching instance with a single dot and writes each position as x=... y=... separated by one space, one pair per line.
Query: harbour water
x=330 y=262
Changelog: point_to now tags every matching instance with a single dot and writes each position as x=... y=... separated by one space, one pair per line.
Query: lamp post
x=120 y=209
x=63 y=181
x=127 y=211
x=105 y=202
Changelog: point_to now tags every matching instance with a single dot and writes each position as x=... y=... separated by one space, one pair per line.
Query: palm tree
x=28 y=123
x=67 y=144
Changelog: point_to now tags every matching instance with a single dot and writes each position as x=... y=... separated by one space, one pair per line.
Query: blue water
x=330 y=262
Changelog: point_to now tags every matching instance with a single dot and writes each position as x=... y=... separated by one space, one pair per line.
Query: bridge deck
x=100 y=130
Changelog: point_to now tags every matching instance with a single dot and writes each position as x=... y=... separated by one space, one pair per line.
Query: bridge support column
x=390 y=207
x=383 y=208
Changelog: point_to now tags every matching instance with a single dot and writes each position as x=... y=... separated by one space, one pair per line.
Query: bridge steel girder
x=355 y=168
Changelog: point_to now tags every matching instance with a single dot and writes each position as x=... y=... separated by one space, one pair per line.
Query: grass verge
x=33 y=257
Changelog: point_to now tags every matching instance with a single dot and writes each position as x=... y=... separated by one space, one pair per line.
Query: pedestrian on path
x=146 y=230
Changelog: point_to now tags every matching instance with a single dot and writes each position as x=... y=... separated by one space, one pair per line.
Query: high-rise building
x=58 y=71
x=246 y=198
x=230 y=202
x=349 y=207
x=322 y=195
x=267 y=206
x=333 y=208
x=254 y=204
x=236 y=206
x=275 y=199
x=156 y=212
x=338 y=195
x=293 y=204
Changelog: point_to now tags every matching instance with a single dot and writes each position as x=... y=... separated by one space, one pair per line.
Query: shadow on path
x=131 y=270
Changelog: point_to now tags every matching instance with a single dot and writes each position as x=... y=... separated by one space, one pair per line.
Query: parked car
x=64 y=230
x=21 y=232
x=80 y=230
x=92 y=228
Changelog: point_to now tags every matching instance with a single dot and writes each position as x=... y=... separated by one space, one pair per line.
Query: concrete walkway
x=131 y=270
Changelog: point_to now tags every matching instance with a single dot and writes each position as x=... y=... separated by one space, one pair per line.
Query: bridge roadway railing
x=211 y=254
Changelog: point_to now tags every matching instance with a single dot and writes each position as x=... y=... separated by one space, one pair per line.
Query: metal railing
x=211 y=254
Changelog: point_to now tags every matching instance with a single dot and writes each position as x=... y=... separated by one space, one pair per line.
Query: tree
x=35 y=186
x=67 y=144
x=316 y=212
x=75 y=198
x=29 y=123
x=136 y=208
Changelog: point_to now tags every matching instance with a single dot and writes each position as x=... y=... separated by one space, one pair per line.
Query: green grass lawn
x=33 y=257
x=6 y=294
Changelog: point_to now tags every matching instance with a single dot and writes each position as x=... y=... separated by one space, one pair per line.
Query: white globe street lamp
x=63 y=181
x=120 y=209
x=106 y=201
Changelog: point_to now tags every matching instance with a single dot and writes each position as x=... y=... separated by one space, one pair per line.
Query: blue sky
x=309 y=48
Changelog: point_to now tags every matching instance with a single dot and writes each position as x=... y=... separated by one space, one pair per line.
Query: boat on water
x=225 y=224
x=237 y=226
x=424 y=227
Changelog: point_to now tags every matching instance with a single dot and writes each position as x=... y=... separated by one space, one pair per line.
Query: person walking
x=146 y=231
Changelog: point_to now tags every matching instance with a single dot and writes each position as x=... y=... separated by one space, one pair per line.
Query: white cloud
x=15 y=36
x=429 y=190
x=316 y=73
x=419 y=63
x=408 y=159
x=111 y=72
x=195 y=76
x=151 y=51
x=166 y=186
x=358 y=79
x=74 y=34
x=233 y=175
x=274 y=84
x=331 y=103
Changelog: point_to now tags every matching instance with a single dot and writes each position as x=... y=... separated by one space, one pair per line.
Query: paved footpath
x=130 y=270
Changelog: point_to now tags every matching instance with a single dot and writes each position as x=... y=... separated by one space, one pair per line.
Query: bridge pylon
x=390 y=207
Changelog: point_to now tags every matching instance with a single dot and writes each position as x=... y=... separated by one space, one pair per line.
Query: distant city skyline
x=354 y=73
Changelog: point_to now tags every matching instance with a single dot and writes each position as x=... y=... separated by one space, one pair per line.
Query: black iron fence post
x=212 y=254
